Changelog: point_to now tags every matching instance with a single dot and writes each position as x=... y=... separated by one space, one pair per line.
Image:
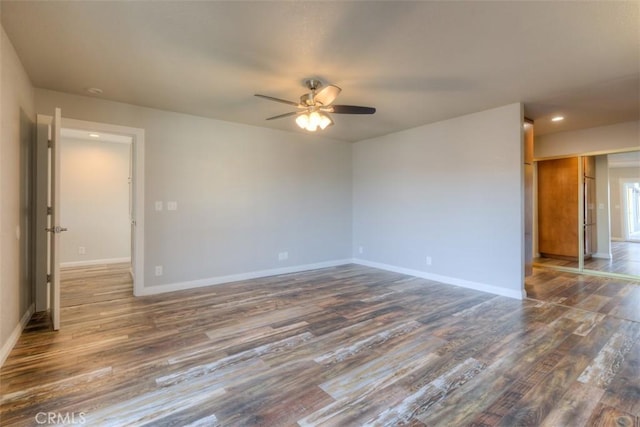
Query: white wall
x=94 y=193
x=244 y=193
x=599 y=140
x=17 y=116
x=603 y=225
x=617 y=208
x=451 y=190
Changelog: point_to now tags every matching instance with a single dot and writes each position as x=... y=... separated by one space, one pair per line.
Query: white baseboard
x=15 y=335
x=601 y=255
x=90 y=262
x=617 y=239
x=496 y=290
x=180 y=286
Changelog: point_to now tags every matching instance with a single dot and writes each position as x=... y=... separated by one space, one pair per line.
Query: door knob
x=56 y=230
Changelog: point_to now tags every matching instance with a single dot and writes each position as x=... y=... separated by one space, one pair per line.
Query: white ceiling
x=416 y=62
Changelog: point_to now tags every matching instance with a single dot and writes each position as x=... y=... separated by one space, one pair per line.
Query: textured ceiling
x=416 y=62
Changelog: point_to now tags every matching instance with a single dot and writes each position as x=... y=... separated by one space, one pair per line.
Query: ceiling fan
x=314 y=107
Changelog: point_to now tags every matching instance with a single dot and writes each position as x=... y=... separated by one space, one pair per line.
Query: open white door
x=54 y=228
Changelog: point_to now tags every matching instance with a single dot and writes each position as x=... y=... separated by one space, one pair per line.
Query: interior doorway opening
x=47 y=257
x=96 y=203
x=631 y=210
x=616 y=249
x=135 y=186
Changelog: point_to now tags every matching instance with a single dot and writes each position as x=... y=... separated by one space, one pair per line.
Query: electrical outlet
x=283 y=255
x=429 y=260
x=158 y=205
x=158 y=270
x=360 y=249
x=82 y=250
x=172 y=206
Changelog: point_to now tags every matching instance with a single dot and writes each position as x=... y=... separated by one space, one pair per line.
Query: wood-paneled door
x=558 y=208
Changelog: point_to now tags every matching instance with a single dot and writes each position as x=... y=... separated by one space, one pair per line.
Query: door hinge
x=49 y=210
x=48 y=278
x=49 y=143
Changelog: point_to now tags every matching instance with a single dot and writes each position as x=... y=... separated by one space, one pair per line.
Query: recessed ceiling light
x=94 y=135
x=94 y=90
x=557 y=119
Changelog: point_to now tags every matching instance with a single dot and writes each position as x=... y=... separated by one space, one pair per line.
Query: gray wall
x=244 y=194
x=17 y=117
x=451 y=190
x=94 y=201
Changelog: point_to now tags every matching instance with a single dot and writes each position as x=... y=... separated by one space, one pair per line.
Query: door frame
x=137 y=160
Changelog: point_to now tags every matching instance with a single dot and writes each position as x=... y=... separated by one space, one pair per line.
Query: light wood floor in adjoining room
x=344 y=346
x=625 y=259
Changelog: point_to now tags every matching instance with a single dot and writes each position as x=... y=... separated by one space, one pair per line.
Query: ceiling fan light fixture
x=313 y=120
x=314 y=105
x=325 y=121
x=302 y=121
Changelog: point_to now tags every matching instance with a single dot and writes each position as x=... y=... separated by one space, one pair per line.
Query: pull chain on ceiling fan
x=314 y=107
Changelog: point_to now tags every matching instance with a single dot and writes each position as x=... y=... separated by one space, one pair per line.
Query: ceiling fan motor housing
x=313 y=84
x=307 y=99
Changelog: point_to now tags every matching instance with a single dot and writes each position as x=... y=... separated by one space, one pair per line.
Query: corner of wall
x=15 y=335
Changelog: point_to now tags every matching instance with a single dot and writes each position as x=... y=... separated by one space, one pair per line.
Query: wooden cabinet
x=558 y=182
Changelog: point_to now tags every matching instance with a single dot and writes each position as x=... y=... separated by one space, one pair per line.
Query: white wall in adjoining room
x=603 y=209
x=616 y=175
x=244 y=194
x=94 y=192
x=452 y=191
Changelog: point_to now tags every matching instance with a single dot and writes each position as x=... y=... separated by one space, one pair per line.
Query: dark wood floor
x=342 y=346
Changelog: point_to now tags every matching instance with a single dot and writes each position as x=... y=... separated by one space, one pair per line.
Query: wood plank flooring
x=625 y=259
x=344 y=346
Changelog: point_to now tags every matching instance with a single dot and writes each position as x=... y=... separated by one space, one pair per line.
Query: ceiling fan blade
x=351 y=109
x=327 y=95
x=271 y=98
x=293 y=113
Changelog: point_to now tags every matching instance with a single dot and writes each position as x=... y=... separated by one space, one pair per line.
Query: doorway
x=136 y=201
x=631 y=210
x=136 y=195
x=616 y=207
x=95 y=202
